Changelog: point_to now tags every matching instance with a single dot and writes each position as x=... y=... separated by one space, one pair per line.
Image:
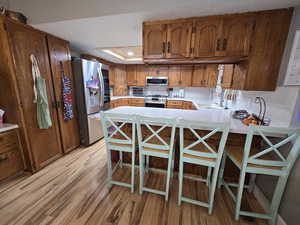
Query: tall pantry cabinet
x=17 y=43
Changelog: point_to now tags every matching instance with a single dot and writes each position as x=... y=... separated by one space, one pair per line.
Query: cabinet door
x=174 y=76
x=154 y=41
x=141 y=73
x=200 y=76
x=236 y=35
x=131 y=75
x=24 y=41
x=227 y=76
x=158 y=71
x=212 y=74
x=59 y=52
x=179 y=37
x=206 y=42
x=186 y=74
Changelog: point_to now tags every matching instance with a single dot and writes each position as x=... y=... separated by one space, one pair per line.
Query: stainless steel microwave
x=157 y=81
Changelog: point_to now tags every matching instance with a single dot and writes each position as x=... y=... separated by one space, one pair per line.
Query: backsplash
x=280 y=103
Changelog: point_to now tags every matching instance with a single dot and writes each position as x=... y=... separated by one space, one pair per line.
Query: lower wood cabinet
x=11 y=155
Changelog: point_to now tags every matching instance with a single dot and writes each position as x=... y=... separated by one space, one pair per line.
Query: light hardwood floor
x=73 y=190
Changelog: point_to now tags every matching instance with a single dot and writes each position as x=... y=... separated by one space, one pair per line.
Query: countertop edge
x=7 y=127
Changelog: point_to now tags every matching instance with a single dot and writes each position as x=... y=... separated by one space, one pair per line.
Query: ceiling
x=96 y=24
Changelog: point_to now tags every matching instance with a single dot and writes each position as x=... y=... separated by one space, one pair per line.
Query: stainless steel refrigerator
x=92 y=96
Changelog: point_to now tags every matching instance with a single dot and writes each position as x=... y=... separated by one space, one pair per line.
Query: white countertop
x=7 y=126
x=201 y=115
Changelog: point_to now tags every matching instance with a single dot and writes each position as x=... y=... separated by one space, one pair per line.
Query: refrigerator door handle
x=101 y=86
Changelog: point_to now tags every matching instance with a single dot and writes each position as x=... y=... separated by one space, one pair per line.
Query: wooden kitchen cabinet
x=42 y=146
x=131 y=75
x=236 y=35
x=180 y=76
x=138 y=102
x=59 y=52
x=158 y=71
x=175 y=104
x=136 y=75
x=118 y=72
x=227 y=77
x=11 y=154
x=179 y=37
x=205 y=75
x=154 y=41
x=207 y=42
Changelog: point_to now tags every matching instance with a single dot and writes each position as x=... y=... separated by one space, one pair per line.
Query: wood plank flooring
x=73 y=190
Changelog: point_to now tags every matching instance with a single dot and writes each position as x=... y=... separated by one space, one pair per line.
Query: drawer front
x=177 y=103
x=10 y=164
x=9 y=141
x=138 y=100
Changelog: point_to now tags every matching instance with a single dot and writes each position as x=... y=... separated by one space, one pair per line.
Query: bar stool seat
x=236 y=154
x=202 y=149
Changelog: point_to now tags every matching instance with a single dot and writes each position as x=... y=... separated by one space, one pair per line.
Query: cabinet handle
x=224 y=44
x=169 y=46
x=3 y=158
x=218 y=45
x=163 y=47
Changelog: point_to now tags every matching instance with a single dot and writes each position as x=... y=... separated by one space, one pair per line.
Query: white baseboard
x=261 y=198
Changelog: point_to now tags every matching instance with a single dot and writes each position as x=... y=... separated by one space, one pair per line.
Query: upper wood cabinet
x=118 y=75
x=180 y=76
x=154 y=41
x=206 y=42
x=236 y=35
x=136 y=75
x=179 y=36
x=205 y=76
x=131 y=75
x=158 y=71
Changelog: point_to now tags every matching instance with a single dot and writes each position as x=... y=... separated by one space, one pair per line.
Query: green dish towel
x=43 y=113
x=40 y=96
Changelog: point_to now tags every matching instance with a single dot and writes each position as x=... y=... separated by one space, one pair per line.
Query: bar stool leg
x=132 y=170
x=222 y=168
x=121 y=158
x=252 y=183
x=141 y=172
x=277 y=198
x=180 y=180
x=239 y=195
x=208 y=176
x=170 y=163
x=109 y=169
x=212 y=190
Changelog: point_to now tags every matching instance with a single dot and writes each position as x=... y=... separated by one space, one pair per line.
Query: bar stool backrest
x=118 y=128
x=212 y=128
x=152 y=132
x=291 y=136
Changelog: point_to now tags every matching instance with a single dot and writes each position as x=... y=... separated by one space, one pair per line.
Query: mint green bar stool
x=201 y=151
x=269 y=161
x=117 y=138
x=156 y=139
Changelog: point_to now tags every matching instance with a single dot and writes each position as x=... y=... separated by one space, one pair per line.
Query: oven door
x=154 y=105
x=157 y=81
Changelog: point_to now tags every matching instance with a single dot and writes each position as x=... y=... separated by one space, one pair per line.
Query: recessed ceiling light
x=130 y=53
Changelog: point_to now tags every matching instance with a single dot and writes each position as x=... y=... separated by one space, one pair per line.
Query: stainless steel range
x=156 y=101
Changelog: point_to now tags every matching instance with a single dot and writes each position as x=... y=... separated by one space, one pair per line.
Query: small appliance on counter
x=136 y=91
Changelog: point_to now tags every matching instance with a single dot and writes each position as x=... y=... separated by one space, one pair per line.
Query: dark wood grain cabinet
x=253 y=41
x=11 y=154
x=40 y=146
x=60 y=60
